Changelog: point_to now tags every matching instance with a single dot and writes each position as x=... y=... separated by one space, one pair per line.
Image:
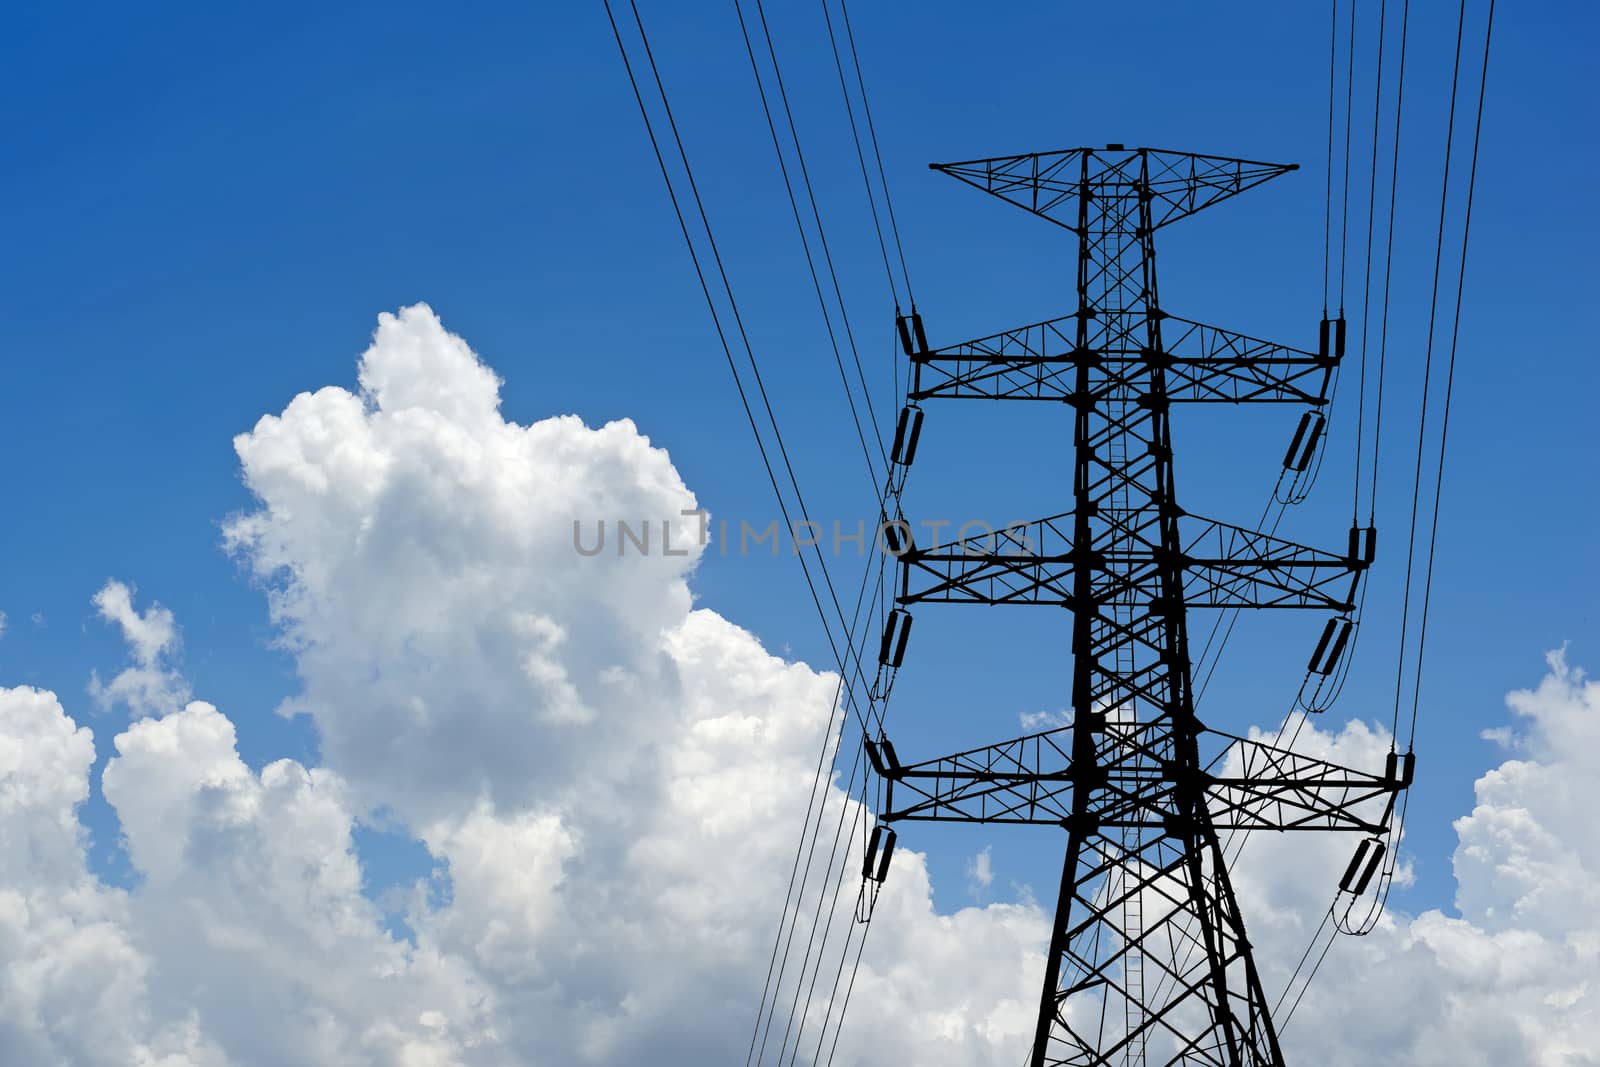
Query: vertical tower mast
x=1148 y=959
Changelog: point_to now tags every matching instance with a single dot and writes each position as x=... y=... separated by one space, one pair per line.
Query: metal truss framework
x=1148 y=961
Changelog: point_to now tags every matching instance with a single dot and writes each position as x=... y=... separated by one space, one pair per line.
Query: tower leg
x=1050 y=997
x=1181 y=988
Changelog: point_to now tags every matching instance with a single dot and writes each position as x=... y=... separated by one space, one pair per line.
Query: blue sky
x=206 y=209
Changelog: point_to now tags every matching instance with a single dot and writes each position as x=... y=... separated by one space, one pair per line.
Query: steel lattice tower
x=1149 y=961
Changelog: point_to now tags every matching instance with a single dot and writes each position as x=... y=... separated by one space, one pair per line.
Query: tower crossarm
x=1251 y=785
x=1034 y=362
x=1256 y=784
x=1223 y=566
x=1020 y=563
x=1175 y=184
x=1203 y=364
x=1229 y=566
x=1025 y=780
x=1208 y=364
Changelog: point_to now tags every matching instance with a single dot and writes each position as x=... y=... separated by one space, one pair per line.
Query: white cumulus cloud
x=74 y=980
x=1511 y=975
x=612 y=780
x=980 y=871
x=150 y=686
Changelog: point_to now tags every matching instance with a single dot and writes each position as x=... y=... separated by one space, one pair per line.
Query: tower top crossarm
x=1050 y=184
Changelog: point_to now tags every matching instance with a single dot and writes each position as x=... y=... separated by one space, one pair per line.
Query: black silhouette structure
x=1149 y=959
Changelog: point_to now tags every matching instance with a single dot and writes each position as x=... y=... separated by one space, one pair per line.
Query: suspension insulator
x=892 y=649
x=1322 y=644
x=1350 y=872
x=1338 y=338
x=1363 y=544
x=881 y=755
x=1323 y=349
x=1325 y=657
x=907 y=431
x=897 y=538
x=1303 y=445
x=1373 y=861
x=1363 y=865
x=875 y=757
x=912 y=337
x=880 y=848
x=1401 y=768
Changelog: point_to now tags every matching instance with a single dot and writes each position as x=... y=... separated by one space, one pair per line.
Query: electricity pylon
x=1149 y=961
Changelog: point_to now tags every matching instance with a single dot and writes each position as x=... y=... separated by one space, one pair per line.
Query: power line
x=838 y=1028
x=771 y=1014
x=1366 y=288
x=818 y=805
x=866 y=108
x=792 y=919
x=1450 y=375
x=1349 y=99
x=844 y=953
x=842 y=659
x=1327 y=192
x=1427 y=374
x=890 y=489
x=855 y=135
x=838 y=882
x=1398 y=817
x=1387 y=880
x=816 y=921
x=883 y=180
x=1388 y=273
x=811 y=265
x=815 y=804
x=812 y=941
x=822 y=237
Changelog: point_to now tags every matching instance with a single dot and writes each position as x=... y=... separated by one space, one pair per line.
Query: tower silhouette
x=1149 y=961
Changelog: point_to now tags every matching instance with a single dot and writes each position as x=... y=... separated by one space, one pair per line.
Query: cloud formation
x=584 y=751
x=74 y=979
x=1514 y=976
x=150 y=686
x=611 y=779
